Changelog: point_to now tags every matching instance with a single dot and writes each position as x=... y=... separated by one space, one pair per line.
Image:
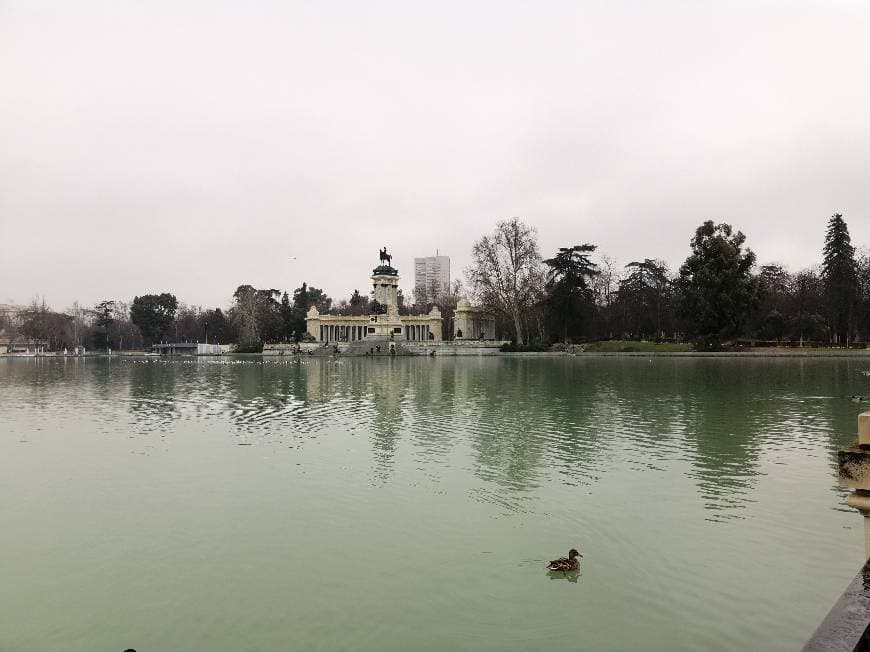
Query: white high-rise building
x=432 y=275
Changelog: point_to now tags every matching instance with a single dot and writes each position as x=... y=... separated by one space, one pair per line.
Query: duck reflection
x=567 y=576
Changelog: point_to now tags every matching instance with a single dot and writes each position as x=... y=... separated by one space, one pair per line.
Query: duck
x=856 y=399
x=569 y=563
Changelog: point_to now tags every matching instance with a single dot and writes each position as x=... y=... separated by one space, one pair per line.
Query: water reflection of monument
x=384 y=323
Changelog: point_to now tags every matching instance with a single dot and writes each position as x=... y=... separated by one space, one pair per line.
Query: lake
x=412 y=503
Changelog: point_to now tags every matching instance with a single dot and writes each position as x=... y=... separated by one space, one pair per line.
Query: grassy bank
x=631 y=346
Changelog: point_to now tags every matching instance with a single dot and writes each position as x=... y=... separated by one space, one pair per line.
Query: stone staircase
x=374 y=345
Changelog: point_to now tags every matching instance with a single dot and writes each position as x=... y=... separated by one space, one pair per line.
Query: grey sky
x=192 y=147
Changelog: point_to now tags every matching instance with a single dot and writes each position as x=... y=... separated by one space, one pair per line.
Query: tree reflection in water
x=522 y=421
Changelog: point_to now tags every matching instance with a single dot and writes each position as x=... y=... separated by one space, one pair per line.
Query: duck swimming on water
x=569 y=563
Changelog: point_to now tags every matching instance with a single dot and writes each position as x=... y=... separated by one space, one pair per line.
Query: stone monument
x=384 y=320
x=383 y=328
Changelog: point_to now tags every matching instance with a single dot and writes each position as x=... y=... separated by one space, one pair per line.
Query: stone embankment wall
x=292 y=348
x=472 y=347
x=403 y=347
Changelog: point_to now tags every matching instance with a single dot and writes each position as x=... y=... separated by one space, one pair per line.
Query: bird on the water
x=856 y=399
x=569 y=563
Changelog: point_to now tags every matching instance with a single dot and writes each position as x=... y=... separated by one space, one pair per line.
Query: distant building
x=432 y=275
x=186 y=348
x=11 y=310
x=19 y=344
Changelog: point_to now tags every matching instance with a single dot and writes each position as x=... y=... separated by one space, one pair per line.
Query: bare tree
x=605 y=286
x=257 y=315
x=188 y=323
x=446 y=302
x=505 y=273
x=78 y=324
x=421 y=297
x=40 y=323
x=606 y=283
x=124 y=333
x=244 y=313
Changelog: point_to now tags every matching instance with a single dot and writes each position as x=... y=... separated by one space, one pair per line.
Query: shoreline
x=530 y=354
x=699 y=354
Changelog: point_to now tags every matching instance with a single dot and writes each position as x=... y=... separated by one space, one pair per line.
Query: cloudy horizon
x=189 y=147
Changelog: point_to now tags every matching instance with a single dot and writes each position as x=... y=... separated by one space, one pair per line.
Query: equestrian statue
x=385 y=257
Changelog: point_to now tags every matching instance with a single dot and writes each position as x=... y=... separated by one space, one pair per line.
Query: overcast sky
x=194 y=146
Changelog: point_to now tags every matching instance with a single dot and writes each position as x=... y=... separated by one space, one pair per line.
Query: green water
x=413 y=503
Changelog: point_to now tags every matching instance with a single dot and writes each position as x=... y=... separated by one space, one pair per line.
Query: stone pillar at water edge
x=854 y=472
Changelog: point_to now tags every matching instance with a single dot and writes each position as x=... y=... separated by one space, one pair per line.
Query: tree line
x=256 y=316
x=718 y=295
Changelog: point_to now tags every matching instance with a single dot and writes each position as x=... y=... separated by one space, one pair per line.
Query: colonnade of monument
x=417 y=332
x=354 y=332
x=341 y=333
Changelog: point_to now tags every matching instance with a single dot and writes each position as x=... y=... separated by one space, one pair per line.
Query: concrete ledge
x=845 y=628
x=454 y=348
x=290 y=348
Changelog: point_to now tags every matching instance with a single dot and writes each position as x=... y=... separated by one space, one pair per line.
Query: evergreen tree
x=717 y=289
x=286 y=311
x=153 y=313
x=840 y=276
x=807 y=306
x=303 y=298
x=568 y=287
x=862 y=319
x=269 y=319
x=358 y=304
x=770 y=321
x=103 y=319
x=645 y=298
x=218 y=327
